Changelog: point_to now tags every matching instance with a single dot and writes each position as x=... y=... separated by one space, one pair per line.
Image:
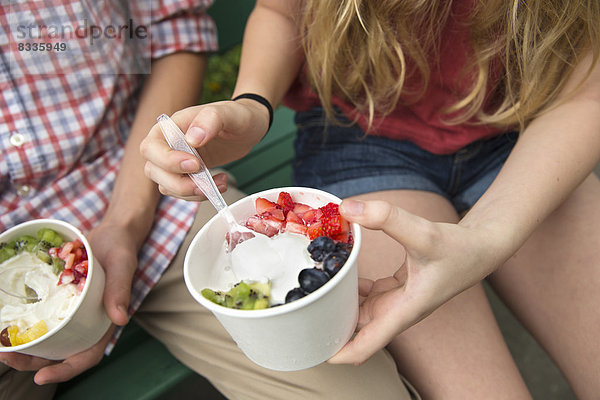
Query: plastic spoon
x=33 y=298
x=203 y=179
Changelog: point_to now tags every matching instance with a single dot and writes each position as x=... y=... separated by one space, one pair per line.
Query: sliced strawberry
x=294 y=227
x=66 y=250
x=236 y=238
x=77 y=243
x=309 y=216
x=299 y=209
x=292 y=216
x=54 y=251
x=344 y=237
x=277 y=213
x=258 y=224
x=69 y=260
x=315 y=230
x=294 y=224
x=81 y=284
x=285 y=201
x=263 y=205
x=273 y=221
x=78 y=251
x=332 y=225
x=81 y=268
x=66 y=276
x=330 y=209
x=318 y=214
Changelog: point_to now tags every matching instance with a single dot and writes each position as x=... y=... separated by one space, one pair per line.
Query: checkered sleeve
x=182 y=25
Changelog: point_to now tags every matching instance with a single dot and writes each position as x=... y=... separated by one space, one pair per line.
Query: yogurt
x=277 y=259
x=55 y=301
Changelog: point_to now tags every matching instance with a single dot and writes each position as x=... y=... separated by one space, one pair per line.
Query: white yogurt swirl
x=56 y=301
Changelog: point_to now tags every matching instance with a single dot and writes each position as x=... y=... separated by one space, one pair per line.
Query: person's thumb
x=117 y=291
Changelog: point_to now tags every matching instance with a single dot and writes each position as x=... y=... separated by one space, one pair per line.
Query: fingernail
x=222 y=188
x=189 y=165
x=195 y=135
x=352 y=207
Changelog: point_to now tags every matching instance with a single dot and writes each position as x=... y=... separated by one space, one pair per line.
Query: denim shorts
x=344 y=161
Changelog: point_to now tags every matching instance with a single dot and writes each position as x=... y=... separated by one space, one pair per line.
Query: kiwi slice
x=243 y=296
x=50 y=236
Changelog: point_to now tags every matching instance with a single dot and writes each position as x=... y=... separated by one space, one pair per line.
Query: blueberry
x=320 y=247
x=294 y=294
x=312 y=278
x=334 y=261
x=343 y=247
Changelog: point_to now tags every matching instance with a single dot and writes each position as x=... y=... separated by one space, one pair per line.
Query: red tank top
x=421 y=122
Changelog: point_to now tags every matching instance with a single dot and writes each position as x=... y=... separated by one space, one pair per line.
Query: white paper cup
x=87 y=322
x=289 y=337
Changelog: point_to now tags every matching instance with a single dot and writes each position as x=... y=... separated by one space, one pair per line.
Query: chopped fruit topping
x=310 y=216
x=50 y=236
x=66 y=250
x=299 y=209
x=260 y=224
x=81 y=284
x=11 y=336
x=330 y=247
x=77 y=244
x=69 y=260
x=331 y=225
x=236 y=238
x=320 y=247
x=315 y=230
x=50 y=248
x=263 y=205
x=273 y=220
x=333 y=262
x=277 y=214
x=294 y=294
x=304 y=220
x=294 y=224
x=67 y=276
x=331 y=209
x=4 y=339
x=343 y=237
x=285 y=202
x=81 y=270
x=243 y=296
x=311 y=279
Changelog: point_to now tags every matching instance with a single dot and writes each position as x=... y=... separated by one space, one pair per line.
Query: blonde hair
x=372 y=52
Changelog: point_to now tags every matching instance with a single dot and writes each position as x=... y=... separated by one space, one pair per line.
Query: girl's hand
x=221 y=132
x=442 y=260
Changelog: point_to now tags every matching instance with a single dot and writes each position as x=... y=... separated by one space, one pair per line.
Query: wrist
x=498 y=239
x=132 y=216
x=256 y=100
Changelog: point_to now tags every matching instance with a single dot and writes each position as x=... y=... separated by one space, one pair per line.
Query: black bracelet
x=261 y=100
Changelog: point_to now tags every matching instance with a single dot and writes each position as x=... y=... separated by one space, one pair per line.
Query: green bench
x=140 y=367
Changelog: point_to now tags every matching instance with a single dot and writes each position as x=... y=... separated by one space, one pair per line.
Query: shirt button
x=17 y=139
x=23 y=190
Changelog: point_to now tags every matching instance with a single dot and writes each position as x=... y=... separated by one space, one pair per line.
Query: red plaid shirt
x=66 y=109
